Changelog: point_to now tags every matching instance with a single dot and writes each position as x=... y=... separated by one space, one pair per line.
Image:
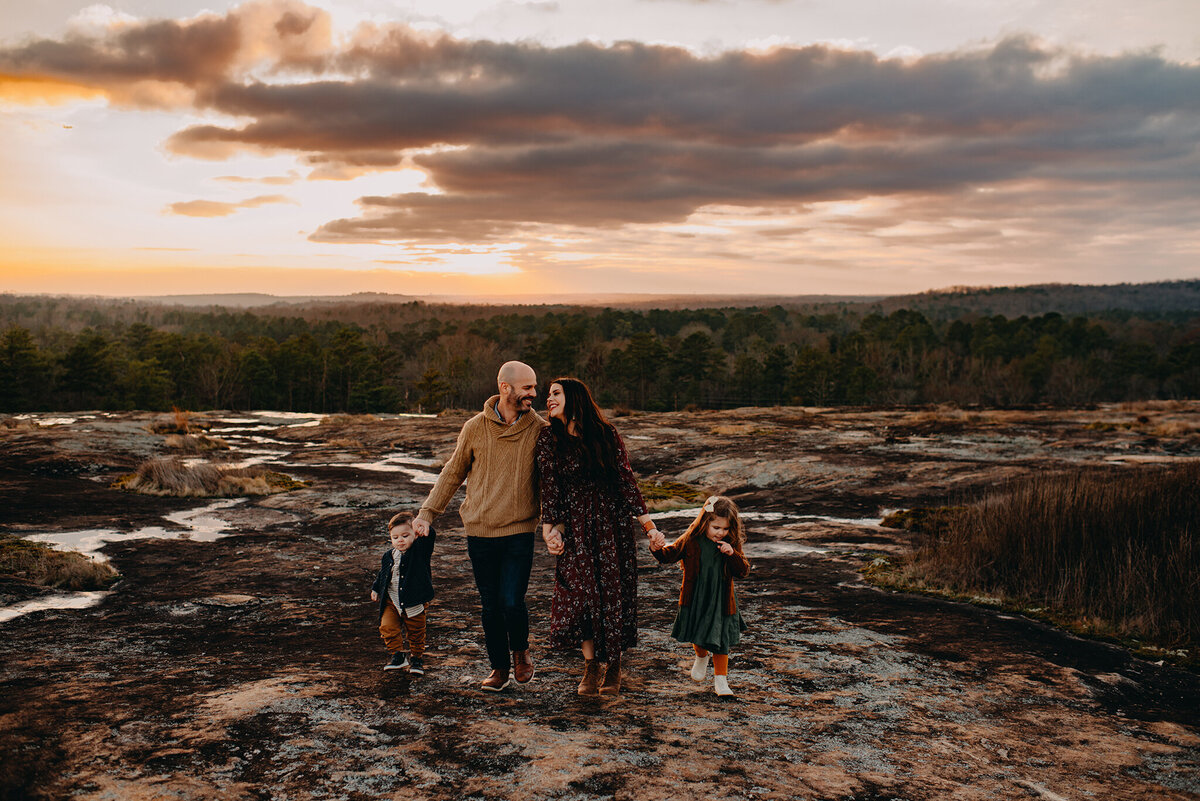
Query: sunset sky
x=469 y=146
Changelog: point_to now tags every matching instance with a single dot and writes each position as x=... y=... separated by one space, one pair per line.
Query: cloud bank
x=519 y=139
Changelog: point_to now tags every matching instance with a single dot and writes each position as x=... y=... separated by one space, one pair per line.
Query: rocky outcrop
x=238 y=659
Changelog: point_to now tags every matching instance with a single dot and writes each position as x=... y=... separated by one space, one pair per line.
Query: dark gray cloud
x=516 y=135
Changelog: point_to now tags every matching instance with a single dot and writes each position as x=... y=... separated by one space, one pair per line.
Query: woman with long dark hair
x=590 y=502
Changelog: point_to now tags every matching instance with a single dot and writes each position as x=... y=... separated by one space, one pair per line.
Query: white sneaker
x=699 y=668
x=721 y=685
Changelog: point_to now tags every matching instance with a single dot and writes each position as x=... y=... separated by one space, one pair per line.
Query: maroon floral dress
x=595 y=587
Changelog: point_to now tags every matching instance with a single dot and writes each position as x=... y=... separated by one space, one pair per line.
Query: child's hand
x=374 y=595
x=725 y=548
x=657 y=540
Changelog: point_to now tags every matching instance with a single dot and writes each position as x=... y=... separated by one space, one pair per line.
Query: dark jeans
x=501 y=566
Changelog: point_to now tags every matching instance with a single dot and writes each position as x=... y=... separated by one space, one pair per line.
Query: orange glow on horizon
x=165 y=272
x=43 y=91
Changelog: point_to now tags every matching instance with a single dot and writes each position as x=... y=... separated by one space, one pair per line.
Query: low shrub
x=195 y=443
x=40 y=564
x=171 y=477
x=1114 y=554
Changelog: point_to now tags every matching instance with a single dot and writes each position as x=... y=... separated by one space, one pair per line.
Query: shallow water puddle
x=780 y=548
x=72 y=600
x=47 y=421
x=199 y=524
x=776 y=517
x=400 y=463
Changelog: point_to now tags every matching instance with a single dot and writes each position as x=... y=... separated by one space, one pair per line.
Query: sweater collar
x=492 y=415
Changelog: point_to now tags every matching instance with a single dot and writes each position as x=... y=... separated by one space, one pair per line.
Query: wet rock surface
x=238 y=657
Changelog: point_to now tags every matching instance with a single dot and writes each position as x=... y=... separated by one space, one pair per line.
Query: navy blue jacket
x=416 y=582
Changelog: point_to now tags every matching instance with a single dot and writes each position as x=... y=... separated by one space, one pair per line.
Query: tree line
x=63 y=355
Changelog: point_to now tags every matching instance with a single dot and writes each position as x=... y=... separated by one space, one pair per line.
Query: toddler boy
x=402 y=588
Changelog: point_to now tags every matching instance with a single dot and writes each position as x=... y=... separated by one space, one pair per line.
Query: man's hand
x=554 y=541
x=420 y=527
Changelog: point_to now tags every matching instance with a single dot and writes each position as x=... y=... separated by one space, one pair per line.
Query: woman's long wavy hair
x=721 y=507
x=596 y=434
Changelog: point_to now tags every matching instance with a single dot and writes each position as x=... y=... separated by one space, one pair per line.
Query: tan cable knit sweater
x=502 y=494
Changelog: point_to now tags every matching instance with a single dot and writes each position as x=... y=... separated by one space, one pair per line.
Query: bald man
x=500 y=514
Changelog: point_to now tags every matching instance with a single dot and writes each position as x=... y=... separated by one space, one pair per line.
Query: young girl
x=711 y=551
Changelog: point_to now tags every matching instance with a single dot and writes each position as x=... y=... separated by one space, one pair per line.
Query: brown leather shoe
x=496 y=682
x=590 y=683
x=522 y=667
x=612 y=678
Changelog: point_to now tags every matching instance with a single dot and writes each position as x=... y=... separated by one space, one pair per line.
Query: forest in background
x=1062 y=345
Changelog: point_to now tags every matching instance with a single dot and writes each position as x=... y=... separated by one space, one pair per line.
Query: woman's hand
x=374 y=595
x=554 y=541
x=725 y=548
x=657 y=540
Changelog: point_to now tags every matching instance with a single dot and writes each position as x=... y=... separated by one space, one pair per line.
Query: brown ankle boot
x=522 y=667
x=612 y=677
x=590 y=683
x=496 y=681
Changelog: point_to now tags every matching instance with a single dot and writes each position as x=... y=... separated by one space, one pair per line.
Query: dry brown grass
x=739 y=430
x=1111 y=554
x=1175 y=428
x=195 y=443
x=177 y=422
x=40 y=564
x=171 y=477
x=342 y=420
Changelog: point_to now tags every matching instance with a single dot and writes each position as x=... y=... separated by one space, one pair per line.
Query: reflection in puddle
x=290 y=415
x=70 y=600
x=46 y=421
x=775 y=517
x=780 y=548
x=196 y=524
x=401 y=463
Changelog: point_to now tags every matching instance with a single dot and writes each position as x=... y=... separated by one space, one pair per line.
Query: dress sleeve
x=737 y=564
x=549 y=486
x=627 y=481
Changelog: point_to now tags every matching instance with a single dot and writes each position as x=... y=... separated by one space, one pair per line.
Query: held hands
x=657 y=540
x=725 y=548
x=554 y=541
x=420 y=527
x=374 y=595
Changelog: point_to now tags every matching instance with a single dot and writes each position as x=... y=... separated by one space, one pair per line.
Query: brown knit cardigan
x=687 y=549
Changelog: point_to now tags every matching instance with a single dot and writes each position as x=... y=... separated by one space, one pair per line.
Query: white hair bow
x=710 y=503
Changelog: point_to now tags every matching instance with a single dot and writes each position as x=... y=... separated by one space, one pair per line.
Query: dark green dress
x=703 y=622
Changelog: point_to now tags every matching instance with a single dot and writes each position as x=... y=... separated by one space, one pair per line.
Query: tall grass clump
x=38 y=563
x=171 y=477
x=1112 y=554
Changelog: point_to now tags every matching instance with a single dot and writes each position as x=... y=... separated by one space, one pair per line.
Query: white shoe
x=721 y=685
x=699 y=668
